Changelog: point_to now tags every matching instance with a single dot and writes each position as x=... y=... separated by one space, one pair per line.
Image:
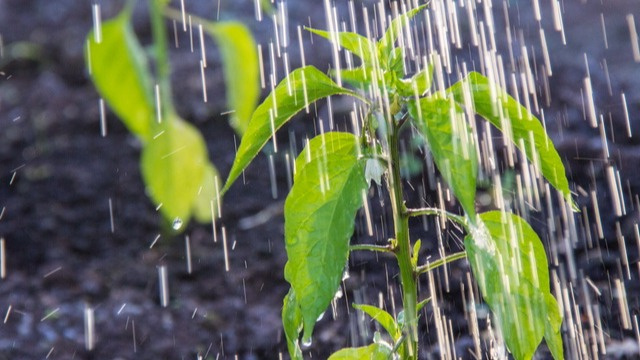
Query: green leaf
x=383 y=318
x=395 y=61
x=319 y=220
x=119 y=71
x=441 y=123
x=416 y=252
x=359 y=76
x=386 y=44
x=519 y=243
x=355 y=43
x=241 y=70
x=173 y=167
x=510 y=265
x=417 y=85
x=505 y=113
x=299 y=89
x=371 y=352
x=207 y=196
x=292 y=322
x=552 y=334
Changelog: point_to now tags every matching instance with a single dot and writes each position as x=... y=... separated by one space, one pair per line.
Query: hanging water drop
x=177 y=223
x=307 y=342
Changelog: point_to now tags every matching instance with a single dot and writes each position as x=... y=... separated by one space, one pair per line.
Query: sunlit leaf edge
x=260 y=129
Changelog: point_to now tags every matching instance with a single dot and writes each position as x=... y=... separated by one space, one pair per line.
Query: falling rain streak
x=163 y=281
x=187 y=248
x=3 y=258
x=97 y=23
x=89 y=328
x=520 y=47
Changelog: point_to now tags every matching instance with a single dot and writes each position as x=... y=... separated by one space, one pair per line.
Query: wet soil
x=81 y=234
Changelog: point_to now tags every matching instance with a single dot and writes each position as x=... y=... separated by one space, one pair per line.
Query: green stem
x=403 y=248
x=174 y=14
x=445 y=260
x=435 y=211
x=163 y=70
x=370 y=247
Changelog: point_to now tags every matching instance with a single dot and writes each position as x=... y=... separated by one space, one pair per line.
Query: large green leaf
x=383 y=318
x=292 y=323
x=299 y=89
x=510 y=265
x=371 y=352
x=241 y=72
x=119 y=71
x=319 y=220
x=355 y=43
x=173 y=167
x=450 y=141
x=206 y=202
x=386 y=43
x=505 y=113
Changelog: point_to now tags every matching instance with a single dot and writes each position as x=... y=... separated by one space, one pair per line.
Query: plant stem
x=163 y=70
x=370 y=247
x=445 y=260
x=174 y=14
x=435 y=211
x=403 y=247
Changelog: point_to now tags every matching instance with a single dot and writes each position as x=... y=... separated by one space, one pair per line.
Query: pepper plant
x=332 y=176
x=175 y=166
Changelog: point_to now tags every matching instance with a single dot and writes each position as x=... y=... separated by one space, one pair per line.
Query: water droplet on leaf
x=345 y=275
x=177 y=223
x=338 y=294
x=306 y=342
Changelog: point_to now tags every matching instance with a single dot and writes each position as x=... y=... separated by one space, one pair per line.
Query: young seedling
x=175 y=166
x=332 y=176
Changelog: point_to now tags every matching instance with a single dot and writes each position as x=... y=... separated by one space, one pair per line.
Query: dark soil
x=81 y=233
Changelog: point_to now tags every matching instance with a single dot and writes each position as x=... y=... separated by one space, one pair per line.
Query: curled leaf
x=240 y=65
x=173 y=167
x=119 y=71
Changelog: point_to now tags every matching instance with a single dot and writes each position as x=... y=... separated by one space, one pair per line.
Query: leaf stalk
x=442 y=261
x=460 y=220
x=371 y=247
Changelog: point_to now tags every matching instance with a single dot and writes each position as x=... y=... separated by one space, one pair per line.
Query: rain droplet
x=307 y=342
x=345 y=275
x=338 y=294
x=177 y=223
